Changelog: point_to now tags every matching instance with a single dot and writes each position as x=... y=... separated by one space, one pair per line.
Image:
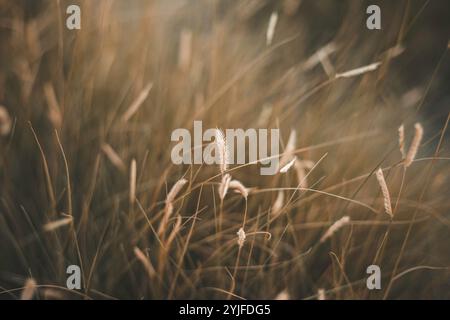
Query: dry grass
x=335 y=227
x=50 y=226
x=86 y=176
x=411 y=155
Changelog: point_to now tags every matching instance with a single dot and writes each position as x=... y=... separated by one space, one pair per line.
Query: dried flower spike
x=241 y=237
x=28 y=290
x=222 y=147
x=283 y=295
x=239 y=187
x=414 y=145
x=401 y=140
x=335 y=227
